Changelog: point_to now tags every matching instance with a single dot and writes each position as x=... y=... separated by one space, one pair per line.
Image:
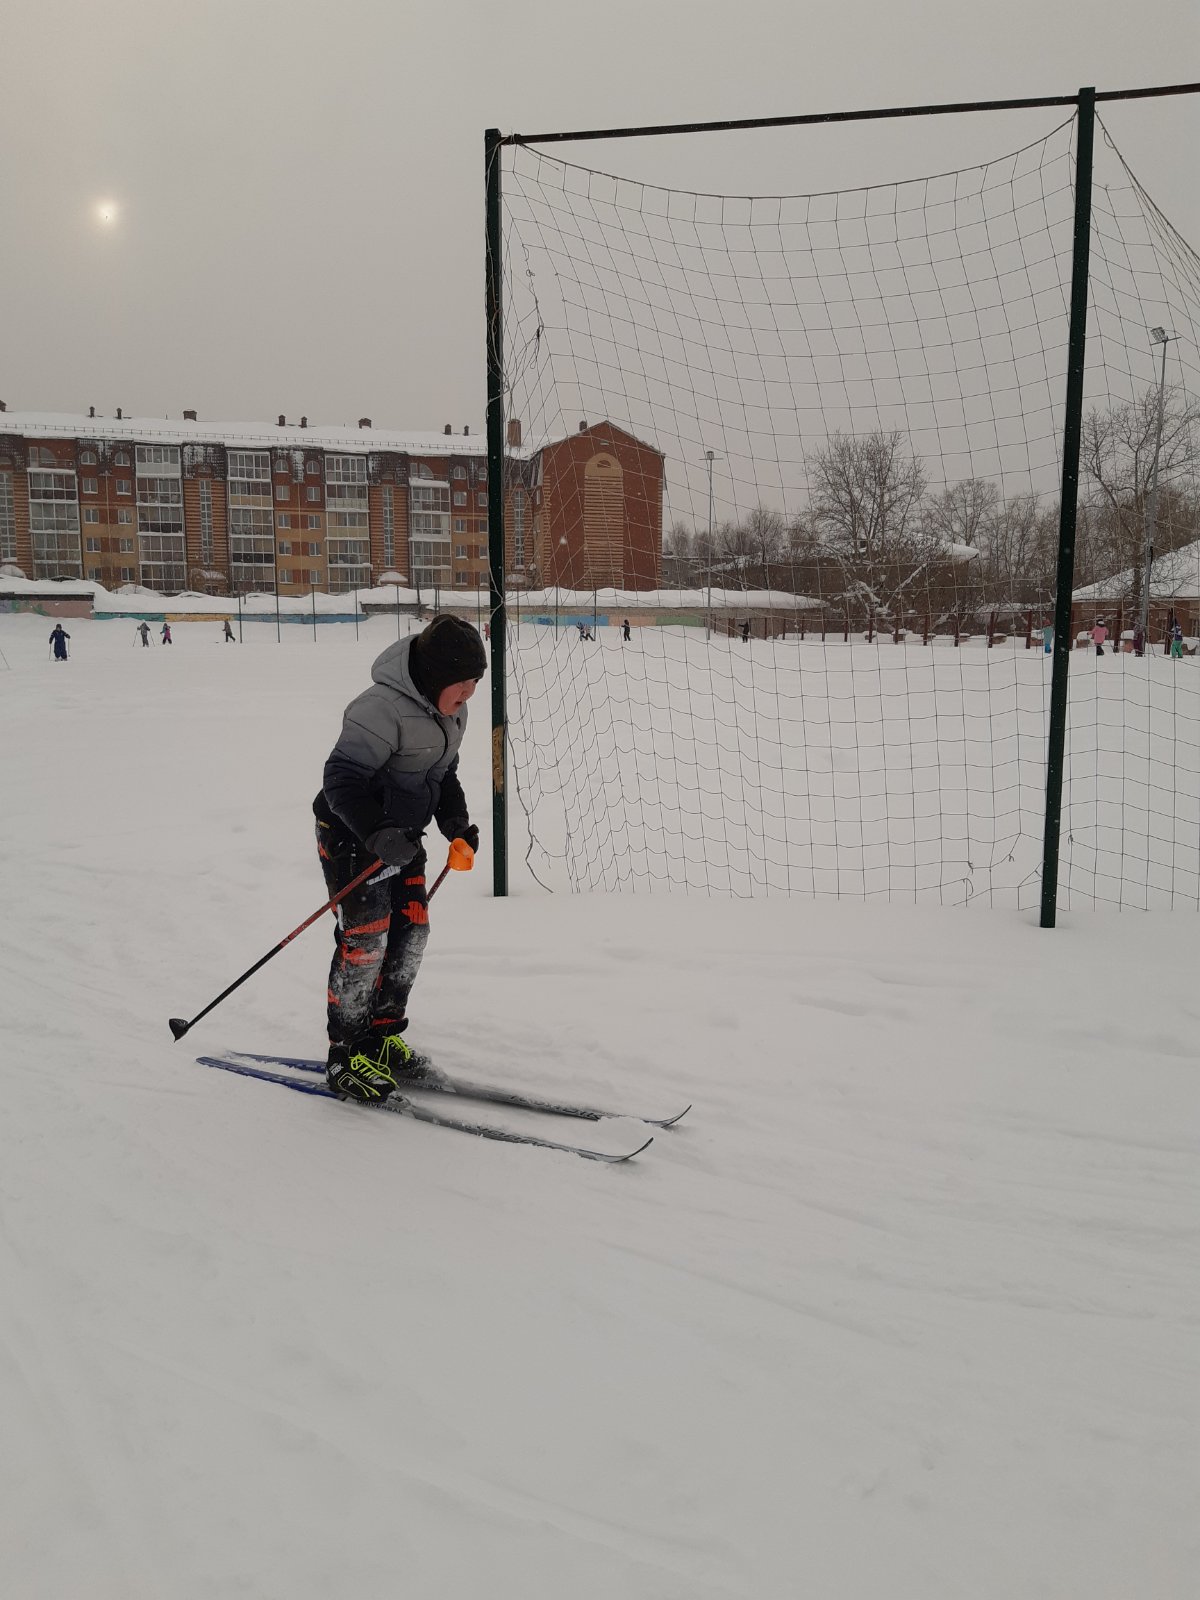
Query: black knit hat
x=447 y=651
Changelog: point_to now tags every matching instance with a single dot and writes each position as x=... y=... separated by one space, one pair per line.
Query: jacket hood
x=392 y=668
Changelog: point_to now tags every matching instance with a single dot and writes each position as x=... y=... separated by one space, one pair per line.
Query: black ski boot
x=352 y=1075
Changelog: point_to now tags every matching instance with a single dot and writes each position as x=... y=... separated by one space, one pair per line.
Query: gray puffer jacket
x=396 y=763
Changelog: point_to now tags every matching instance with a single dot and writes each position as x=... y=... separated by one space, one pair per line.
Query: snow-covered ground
x=906 y=1307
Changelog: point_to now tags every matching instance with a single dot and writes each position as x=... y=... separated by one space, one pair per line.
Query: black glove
x=393 y=846
x=460 y=828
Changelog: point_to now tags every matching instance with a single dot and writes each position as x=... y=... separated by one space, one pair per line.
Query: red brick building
x=242 y=508
x=598 y=517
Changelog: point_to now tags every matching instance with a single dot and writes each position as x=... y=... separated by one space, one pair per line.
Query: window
x=90 y=486
x=8 y=519
x=39 y=456
x=87 y=458
x=94 y=572
x=389 y=529
x=313 y=492
x=460 y=552
x=460 y=497
x=285 y=549
x=126 y=574
x=160 y=517
x=206 y=522
x=282 y=520
x=459 y=525
x=459 y=474
x=121 y=459
x=282 y=491
x=420 y=470
x=311 y=548
x=481 y=475
x=124 y=486
x=313 y=578
x=125 y=544
x=92 y=546
x=460 y=580
x=252 y=470
x=164 y=456
x=312 y=523
x=481 y=498
x=313 y=468
x=518 y=526
x=251 y=521
x=54 y=524
x=91 y=513
x=346 y=469
x=285 y=573
x=125 y=515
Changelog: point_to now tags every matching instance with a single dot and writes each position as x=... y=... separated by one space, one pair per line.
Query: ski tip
x=630 y=1155
x=669 y=1122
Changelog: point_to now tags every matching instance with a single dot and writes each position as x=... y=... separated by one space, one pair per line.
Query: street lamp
x=1159 y=336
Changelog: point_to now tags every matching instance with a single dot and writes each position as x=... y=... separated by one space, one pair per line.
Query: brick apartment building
x=242 y=508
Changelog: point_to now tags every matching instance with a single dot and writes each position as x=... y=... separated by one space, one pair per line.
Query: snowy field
x=841 y=770
x=907 y=1308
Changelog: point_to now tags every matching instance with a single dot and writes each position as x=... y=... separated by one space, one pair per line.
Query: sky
x=297 y=187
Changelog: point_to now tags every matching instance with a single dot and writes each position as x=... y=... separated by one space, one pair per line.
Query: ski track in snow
x=907 y=1306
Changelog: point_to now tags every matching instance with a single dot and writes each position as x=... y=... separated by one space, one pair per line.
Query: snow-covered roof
x=262 y=436
x=241 y=435
x=1176 y=574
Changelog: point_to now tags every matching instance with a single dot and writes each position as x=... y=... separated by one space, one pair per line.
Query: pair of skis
x=266 y=1068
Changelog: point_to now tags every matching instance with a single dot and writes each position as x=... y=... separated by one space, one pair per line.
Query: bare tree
x=961 y=512
x=1118 y=461
x=677 y=556
x=765 y=536
x=1019 y=542
x=735 y=552
x=868 y=496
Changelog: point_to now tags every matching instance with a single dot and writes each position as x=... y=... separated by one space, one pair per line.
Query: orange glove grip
x=462 y=857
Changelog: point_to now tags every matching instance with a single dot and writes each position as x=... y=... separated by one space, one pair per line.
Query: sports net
x=846 y=409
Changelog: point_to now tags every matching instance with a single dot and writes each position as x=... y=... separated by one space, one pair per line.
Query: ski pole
x=461 y=859
x=179 y=1027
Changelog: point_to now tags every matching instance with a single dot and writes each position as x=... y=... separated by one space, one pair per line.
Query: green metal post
x=1072 y=429
x=496 y=485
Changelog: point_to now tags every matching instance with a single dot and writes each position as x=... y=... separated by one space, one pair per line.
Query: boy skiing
x=58 y=638
x=392 y=772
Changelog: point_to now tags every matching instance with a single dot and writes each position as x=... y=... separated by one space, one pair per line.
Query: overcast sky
x=298 y=184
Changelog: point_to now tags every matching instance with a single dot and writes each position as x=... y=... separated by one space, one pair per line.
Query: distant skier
x=625 y=633
x=143 y=629
x=228 y=632
x=1099 y=635
x=1048 y=637
x=1139 y=641
x=166 y=633
x=745 y=633
x=393 y=771
x=58 y=638
x=1177 y=642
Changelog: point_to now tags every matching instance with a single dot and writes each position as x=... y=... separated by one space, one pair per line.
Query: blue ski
x=487 y=1093
x=405 y=1108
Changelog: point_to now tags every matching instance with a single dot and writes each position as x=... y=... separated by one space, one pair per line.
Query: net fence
x=782 y=521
